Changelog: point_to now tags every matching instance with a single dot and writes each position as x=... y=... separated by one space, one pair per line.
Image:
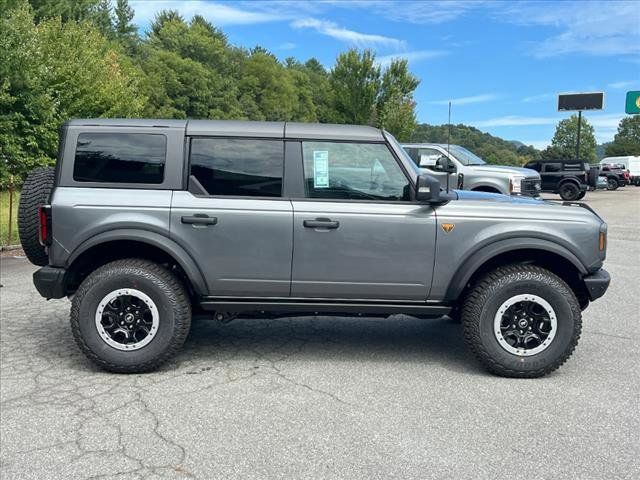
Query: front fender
x=474 y=260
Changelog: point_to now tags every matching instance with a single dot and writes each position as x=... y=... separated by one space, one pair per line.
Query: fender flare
x=170 y=247
x=479 y=257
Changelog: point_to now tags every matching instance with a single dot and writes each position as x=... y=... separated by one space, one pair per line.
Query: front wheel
x=521 y=321
x=569 y=191
x=130 y=316
x=612 y=184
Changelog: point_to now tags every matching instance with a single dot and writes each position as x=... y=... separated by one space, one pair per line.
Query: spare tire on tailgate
x=35 y=193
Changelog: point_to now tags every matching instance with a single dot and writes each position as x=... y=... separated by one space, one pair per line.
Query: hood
x=498 y=197
x=526 y=172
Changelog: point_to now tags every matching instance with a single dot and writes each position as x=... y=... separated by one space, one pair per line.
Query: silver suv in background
x=467 y=171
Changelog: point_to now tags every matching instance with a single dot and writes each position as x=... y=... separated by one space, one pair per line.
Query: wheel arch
x=544 y=253
x=127 y=243
x=486 y=188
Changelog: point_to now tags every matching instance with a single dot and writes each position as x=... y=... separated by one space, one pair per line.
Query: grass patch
x=4 y=218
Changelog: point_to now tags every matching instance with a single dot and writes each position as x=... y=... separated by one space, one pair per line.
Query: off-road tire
x=35 y=193
x=486 y=296
x=581 y=195
x=569 y=191
x=612 y=184
x=164 y=289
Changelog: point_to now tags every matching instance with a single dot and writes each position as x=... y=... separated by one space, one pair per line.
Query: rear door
x=233 y=220
x=357 y=235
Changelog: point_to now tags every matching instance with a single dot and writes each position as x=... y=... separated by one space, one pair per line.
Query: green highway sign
x=633 y=103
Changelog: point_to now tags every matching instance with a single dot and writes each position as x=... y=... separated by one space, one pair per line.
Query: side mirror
x=427 y=189
x=445 y=165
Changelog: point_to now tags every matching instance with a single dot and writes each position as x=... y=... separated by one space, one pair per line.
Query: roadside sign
x=632 y=106
x=580 y=101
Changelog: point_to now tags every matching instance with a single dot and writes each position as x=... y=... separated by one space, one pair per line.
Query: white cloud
x=543 y=97
x=218 y=13
x=417 y=11
x=623 y=84
x=413 y=56
x=286 y=46
x=359 y=39
x=516 y=121
x=592 y=28
x=485 y=97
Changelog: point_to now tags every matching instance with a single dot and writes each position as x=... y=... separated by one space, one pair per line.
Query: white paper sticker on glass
x=320 y=169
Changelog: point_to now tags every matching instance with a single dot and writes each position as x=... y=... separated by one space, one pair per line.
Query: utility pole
x=578 y=139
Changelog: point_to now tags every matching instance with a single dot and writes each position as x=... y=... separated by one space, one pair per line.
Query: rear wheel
x=612 y=184
x=130 y=316
x=35 y=193
x=521 y=321
x=569 y=191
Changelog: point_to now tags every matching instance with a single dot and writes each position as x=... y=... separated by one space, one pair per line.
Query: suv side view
x=568 y=178
x=146 y=222
x=466 y=171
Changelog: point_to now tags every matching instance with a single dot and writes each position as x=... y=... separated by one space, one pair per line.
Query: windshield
x=465 y=157
x=398 y=148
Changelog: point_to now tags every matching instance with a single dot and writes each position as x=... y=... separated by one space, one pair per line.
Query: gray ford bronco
x=144 y=223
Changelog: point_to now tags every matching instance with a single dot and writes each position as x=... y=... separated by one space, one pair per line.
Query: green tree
x=355 y=81
x=627 y=140
x=125 y=31
x=52 y=72
x=395 y=105
x=563 y=144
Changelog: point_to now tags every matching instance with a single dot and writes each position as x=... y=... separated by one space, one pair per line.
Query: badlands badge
x=447 y=227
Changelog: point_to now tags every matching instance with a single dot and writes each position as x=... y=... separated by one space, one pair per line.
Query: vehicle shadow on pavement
x=398 y=338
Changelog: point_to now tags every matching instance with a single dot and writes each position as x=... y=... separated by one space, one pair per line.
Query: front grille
x=531 y=186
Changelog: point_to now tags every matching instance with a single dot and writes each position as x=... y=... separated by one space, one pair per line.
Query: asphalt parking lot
x=324 y=397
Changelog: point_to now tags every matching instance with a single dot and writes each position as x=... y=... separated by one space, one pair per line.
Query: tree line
x=62 y=59
x=66 y=59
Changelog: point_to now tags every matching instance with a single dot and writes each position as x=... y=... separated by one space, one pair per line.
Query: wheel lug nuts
x=529 y=328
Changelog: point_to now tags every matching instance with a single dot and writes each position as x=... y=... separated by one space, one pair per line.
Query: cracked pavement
x=324 y=397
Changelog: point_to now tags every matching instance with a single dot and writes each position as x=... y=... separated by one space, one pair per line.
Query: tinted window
x=552 y=167
x=574 y=166
x=240 y=167
x=120 y=158
x=357 y=171
x=532 y=165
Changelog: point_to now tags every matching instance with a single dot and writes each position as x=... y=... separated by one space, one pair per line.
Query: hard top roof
x=246 y=128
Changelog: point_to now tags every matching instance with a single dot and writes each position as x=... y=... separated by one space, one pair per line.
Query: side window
x=552 y=167
x=355 y=171
x=428 y=158
x=238 y=167
x=120 y=158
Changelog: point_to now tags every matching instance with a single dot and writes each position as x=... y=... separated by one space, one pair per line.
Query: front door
x=356 y=234
x=233 y=221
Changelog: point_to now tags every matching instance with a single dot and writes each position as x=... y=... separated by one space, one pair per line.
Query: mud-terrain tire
x=612 y=183
x=581 y=195
x=569 y=191
x=35 y=193
x=171 y=313
x=494 y=290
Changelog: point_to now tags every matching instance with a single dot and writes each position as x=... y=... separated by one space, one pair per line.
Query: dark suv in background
x=569 y=178
x=616 y=175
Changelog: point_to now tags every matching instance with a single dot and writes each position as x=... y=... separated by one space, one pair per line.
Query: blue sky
x=501 y=63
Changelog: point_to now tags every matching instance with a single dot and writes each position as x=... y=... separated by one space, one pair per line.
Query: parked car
x=616 y=175
x=467 y=171
x=145 y=221
x=568 y=178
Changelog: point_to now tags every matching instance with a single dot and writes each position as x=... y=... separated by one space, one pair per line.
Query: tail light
x=44 y=233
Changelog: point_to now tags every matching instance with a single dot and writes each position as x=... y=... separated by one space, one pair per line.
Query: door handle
x=321 y=223
x=199 y=219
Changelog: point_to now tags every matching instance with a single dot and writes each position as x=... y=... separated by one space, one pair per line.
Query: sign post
x=570 y=102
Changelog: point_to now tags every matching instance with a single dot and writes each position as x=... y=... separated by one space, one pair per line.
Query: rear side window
x=120 y=158
x=238 y=167
x=552 y=167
